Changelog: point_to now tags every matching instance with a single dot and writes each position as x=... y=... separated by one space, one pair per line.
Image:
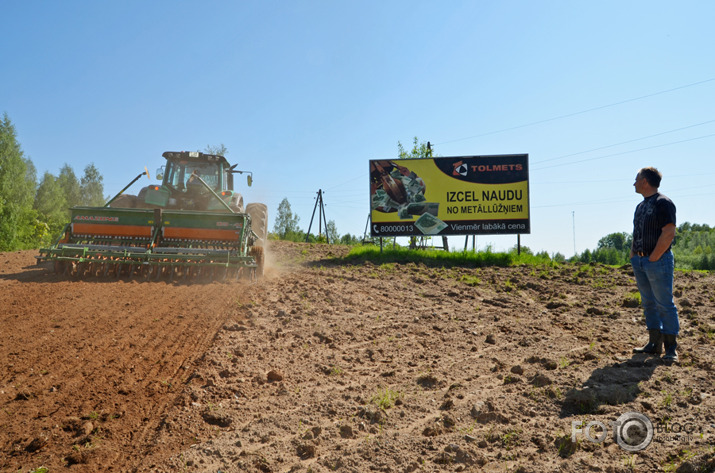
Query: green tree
x=332 y=232
x=618 y=241
x=219 y=150
x=419 y=150
x=92 y=189
x=286 y=221
x=16 y=190
x=586 y=256
x=693 y=247
x=349 y=239
x=51 y=200
x=69 y=184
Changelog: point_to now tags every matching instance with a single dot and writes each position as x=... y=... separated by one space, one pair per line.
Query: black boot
x=670 y=345
x=654 y=345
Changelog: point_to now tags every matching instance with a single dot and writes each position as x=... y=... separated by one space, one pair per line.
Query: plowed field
x=330 y=364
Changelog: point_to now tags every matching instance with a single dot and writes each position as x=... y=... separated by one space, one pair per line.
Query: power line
x=673 y=193
x=625 y=142
x=568 y=115
x=627 y=152
x=586 y=202
x=342 y=183
x=629 y=179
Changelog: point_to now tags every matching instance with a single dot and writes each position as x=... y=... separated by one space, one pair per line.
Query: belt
x=640 y=253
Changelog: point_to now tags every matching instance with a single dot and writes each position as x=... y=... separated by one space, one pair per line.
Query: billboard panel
x=462 y=195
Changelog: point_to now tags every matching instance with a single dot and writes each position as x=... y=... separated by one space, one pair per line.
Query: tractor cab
x=181 y=166
x=181 y=190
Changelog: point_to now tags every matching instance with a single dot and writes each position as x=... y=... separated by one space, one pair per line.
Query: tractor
x=193 y=224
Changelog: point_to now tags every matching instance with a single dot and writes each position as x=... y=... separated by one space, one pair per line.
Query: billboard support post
x=518 y=243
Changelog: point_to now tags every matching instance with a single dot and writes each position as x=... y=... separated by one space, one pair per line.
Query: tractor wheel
x=259 y=220
x=60 y=267
x=257 y=253
x=236 y=203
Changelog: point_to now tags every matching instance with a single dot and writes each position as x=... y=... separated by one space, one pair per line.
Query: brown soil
x=332 y=365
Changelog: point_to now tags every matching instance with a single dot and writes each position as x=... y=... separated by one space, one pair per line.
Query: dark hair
x=652 y=175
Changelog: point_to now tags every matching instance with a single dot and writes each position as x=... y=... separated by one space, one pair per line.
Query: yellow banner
x=450 y=196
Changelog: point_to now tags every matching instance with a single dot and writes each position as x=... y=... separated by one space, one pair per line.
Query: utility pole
x=321 y=218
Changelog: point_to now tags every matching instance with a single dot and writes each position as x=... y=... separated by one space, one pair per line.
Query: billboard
x=462 y=195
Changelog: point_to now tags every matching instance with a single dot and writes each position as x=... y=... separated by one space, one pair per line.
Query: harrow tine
x=95 y=268
x=73 y=269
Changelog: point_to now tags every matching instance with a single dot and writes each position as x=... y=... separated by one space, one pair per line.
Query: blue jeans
x=655 y=283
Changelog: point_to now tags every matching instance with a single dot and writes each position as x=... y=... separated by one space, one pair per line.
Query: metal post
x=127 y=187
x=364 y=234
x=320 y=213
x=311 y=221
x=325 y=220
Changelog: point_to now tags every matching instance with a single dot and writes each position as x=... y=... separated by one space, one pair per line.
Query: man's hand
x=667 y=236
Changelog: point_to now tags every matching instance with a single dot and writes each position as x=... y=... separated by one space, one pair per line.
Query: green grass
x=386 y=398
x=470 y=280
x=442 y=258
x=667 y=400
x=634 y=298
x=511 y=439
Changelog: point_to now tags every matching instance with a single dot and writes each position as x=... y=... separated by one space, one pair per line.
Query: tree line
x=286 y=227
x=32 y=211
x=693 y=248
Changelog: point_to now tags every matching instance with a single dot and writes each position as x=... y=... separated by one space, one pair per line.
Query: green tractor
x=194 y=224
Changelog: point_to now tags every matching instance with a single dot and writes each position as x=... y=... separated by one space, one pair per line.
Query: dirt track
x=327 y=365
x=90 y=367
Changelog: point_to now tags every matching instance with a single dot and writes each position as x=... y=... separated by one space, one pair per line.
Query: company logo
x=460 y=168
x=497 y=169
x=227 y=224
x=95 y=218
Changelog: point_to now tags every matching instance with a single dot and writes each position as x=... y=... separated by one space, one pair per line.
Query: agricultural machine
x=193 y=224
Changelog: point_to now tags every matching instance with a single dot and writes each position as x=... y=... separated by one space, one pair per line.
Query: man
x=652 y=261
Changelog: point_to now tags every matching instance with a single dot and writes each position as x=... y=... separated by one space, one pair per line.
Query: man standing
x=652 y=261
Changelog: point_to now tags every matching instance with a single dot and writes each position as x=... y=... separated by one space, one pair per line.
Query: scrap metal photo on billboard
x=462 y=195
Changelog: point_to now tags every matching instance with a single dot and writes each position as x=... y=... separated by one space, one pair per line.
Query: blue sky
x=304 y=93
